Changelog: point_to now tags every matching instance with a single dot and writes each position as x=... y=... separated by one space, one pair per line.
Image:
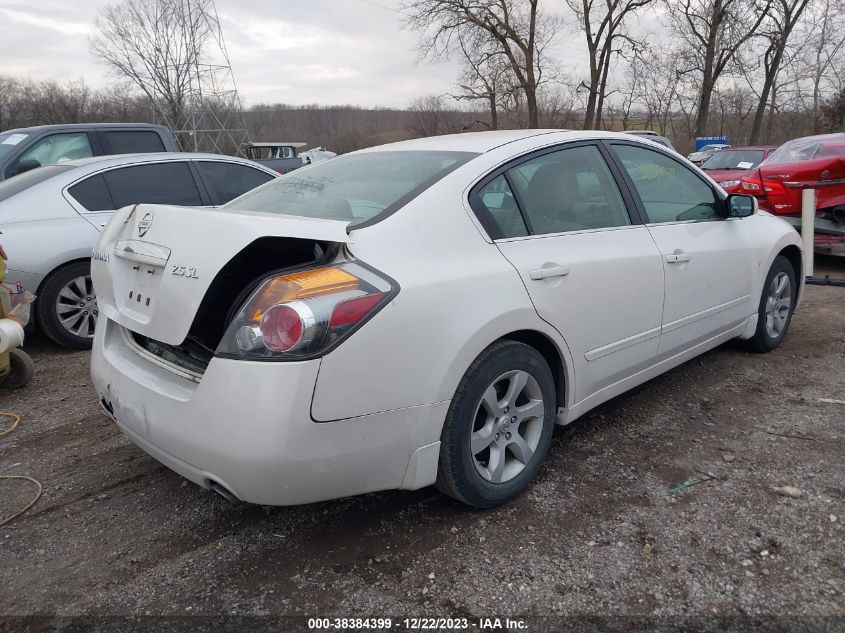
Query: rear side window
x=498 y=201
x=568 y=190
x=93 y=194
x=159 y=183
x=141 y=142
x=230 y=180
x=13 y=186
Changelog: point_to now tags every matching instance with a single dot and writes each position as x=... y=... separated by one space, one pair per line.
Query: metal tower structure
x=212 y=117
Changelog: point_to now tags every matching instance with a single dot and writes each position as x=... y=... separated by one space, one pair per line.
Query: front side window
x=158 y=183
x=568 y=190
x=669 y=191
x=355 y=188
x=58 y=148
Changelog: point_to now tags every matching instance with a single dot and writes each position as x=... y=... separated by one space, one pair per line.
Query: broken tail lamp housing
x=306 y=313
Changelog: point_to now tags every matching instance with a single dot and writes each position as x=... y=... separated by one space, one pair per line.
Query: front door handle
x=552 y=271
x=677 y=257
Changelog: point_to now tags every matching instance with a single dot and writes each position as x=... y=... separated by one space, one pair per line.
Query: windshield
x=805 y=148
x=13 y=186
x=354 y=188
x=8 y=141
x=734 y=159
x=710 y=148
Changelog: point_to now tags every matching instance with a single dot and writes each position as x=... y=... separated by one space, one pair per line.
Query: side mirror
x=26 y=165
x=741 y=206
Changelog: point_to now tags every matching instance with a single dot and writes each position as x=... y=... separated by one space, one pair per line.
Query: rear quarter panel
x=41 y=232
x=458 y=295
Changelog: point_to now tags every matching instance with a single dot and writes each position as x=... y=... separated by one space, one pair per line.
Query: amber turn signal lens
x=301 y=285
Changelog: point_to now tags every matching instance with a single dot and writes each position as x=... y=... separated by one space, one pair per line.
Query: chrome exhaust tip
x=224 y=492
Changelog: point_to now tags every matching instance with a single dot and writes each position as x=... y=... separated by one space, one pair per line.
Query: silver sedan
x=50 y=218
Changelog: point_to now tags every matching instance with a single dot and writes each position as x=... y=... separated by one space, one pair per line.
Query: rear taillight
x=752 y=186
x=306 y=313
x=774 y=188
x=756 y=187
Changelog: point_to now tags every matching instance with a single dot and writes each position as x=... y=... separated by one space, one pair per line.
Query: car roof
x=109 y=160
x=742 y=148
x=275 y=144
x=82 y=167
x=76 y=126
x=481 y=142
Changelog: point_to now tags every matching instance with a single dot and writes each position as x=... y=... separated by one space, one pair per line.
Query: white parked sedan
x=423 y=312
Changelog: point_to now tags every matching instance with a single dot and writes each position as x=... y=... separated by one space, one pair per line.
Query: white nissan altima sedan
x=423 y=312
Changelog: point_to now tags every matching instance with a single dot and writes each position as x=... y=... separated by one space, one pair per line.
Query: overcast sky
x=291 y=51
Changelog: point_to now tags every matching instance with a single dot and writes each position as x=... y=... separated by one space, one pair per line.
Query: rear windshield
x=808 y=148
x=14 y=185
x=354 y=188
x=734 y=159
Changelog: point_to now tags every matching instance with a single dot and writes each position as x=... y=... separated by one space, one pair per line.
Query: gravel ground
x=599 y=533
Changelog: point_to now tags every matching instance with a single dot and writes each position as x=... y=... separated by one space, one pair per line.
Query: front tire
x=66 y=308
x=499 y=426
x=777 y=302
x=21 y=369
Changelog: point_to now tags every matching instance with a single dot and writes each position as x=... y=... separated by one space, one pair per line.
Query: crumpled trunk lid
x=152 y=265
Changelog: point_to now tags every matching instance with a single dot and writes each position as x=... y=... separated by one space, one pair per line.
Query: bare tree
x=430 y=116
x=712 y=32
x=823 y=35
x=156 y=44
x=603 y=24
x=782 y=17
x=517 y=28
x=486 y=76
x=833 y=113
x=11 y=102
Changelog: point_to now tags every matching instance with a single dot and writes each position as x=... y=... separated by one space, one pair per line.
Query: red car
x=812 y=161
x=730 y=165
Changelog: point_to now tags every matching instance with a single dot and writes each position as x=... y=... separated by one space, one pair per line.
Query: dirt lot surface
x=598 y=533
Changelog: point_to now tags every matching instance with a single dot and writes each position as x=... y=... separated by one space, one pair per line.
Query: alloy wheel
x=507 y=426
x=778 y=304
x=76 y=307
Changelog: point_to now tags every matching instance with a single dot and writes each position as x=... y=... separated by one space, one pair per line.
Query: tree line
x=757 y=71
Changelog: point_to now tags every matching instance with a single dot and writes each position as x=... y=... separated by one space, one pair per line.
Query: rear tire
x=499 y=426
x=68 y=291
x=777 y=302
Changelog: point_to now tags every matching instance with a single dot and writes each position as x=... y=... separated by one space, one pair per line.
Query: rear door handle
x=677 y=258
x=552 y=271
